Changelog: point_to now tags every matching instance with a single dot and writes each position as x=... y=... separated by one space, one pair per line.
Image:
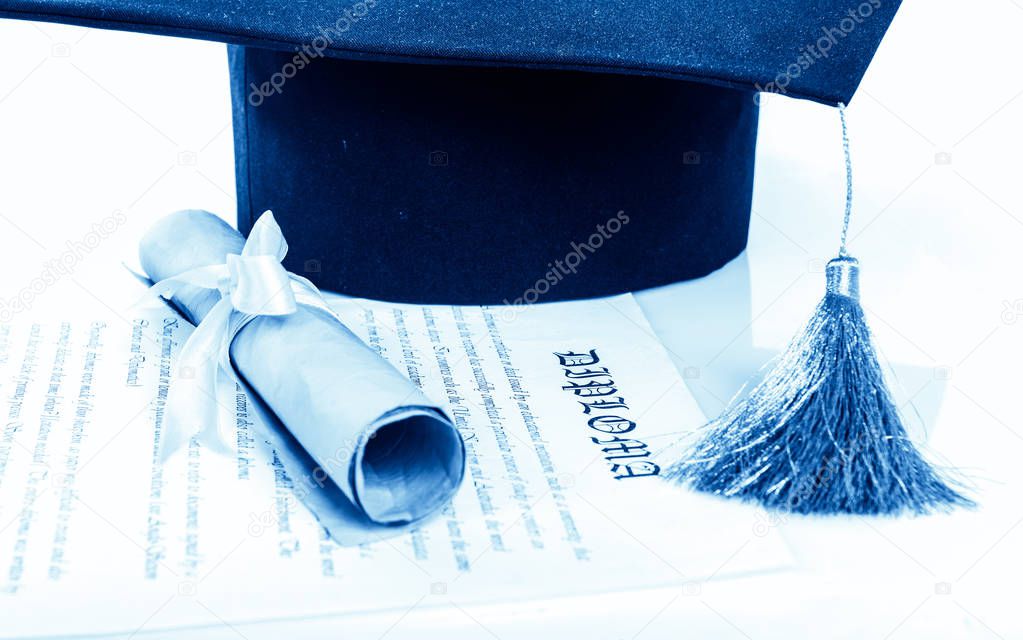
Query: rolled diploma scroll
x=392 y=452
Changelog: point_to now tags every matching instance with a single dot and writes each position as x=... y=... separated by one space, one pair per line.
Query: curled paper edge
x=398 y=467
x=432 y=485
x=344 y=521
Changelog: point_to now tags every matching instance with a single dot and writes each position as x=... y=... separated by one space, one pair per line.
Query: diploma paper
x=403 y=458
x=564 y=409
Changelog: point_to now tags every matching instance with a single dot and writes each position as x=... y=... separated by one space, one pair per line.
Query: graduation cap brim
x=817 y=49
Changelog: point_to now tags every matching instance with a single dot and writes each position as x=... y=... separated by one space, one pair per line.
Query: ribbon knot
x=258 y=285
x=251 y=284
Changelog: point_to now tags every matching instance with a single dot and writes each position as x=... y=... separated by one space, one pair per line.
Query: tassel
x=820 y=434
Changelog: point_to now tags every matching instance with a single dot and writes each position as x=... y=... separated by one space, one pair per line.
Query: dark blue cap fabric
x=469 y=185
x=815 y=49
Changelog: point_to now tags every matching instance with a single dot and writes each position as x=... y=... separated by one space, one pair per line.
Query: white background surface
x=92 y=122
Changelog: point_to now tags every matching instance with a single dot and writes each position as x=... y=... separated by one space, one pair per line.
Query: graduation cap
x=476 y=151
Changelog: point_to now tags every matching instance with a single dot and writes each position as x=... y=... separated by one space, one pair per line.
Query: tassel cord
x=842 y=252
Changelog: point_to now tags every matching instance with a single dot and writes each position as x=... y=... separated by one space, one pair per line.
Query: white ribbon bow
x=251 y=284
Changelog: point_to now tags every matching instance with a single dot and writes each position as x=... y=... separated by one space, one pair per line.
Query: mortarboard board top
x=817 y=50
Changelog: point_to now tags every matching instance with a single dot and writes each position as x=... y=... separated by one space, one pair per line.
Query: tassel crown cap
x=843 y=277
